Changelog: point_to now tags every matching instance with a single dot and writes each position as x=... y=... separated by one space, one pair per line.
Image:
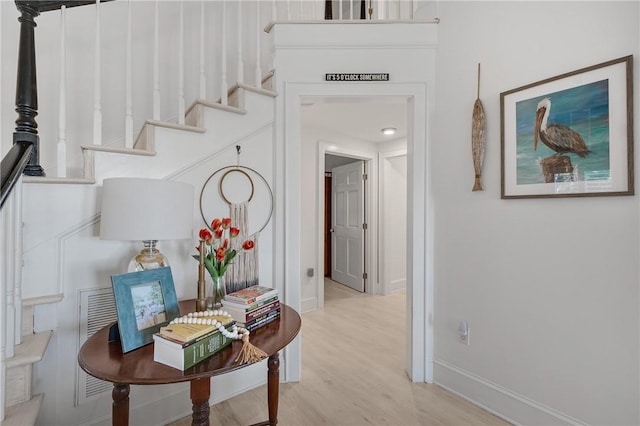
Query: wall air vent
x=97 y=309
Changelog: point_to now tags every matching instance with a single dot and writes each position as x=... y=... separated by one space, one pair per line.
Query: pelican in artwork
x=558 y=137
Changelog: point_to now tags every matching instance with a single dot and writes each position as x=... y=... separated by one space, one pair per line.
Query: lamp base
x=148 y=258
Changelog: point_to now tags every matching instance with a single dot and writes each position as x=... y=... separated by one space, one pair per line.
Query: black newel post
x=27 y=89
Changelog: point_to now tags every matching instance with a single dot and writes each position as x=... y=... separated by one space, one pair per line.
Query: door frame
x=420 y=210
x=383 y=158
x=370 y=187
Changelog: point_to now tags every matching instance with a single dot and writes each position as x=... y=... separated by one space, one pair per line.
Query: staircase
x=162 y=150
x=23 y=406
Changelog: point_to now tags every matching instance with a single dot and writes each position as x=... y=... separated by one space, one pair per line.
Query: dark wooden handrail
x=13 y=164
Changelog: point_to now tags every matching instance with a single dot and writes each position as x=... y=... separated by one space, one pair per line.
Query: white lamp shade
x=146 y=209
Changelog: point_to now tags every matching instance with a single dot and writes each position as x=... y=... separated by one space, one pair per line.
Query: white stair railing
x=128 y=117
x=203 y=74
x=239 y=37
x=156 y=61
x=181 y=101
x=195 y=74
x=224 y=86
x=97 y=83
x=61 y=150
x=10 y=283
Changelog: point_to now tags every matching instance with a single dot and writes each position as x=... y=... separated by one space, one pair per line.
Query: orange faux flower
x=221 y=247
x=205 y=235
x=221 y=252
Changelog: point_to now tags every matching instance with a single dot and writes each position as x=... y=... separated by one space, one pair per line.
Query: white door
x=347 y=220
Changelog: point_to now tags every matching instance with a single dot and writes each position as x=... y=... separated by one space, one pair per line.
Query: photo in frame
x=145 y=301
x=570 y=135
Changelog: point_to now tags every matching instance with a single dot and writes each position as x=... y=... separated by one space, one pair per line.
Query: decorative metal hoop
x=240 y=169
x=225 y=175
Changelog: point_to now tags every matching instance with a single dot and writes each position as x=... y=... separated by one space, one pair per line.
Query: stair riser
x=18 y=384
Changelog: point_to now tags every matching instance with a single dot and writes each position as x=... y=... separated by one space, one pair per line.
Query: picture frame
x=570 y=135
x=145 y=301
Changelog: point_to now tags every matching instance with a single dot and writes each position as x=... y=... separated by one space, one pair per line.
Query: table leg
x=273 y=384
x=200 y=392
x=120 y=407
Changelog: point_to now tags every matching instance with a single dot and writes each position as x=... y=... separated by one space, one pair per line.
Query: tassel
x=249 y=353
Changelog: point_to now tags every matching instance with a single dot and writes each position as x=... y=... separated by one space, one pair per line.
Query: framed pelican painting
x=570 y=135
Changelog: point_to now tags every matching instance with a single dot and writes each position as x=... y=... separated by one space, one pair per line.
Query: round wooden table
x=104 y=360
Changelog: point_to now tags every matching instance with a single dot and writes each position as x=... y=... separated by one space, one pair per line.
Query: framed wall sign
x=569 y=135
x=145 y=301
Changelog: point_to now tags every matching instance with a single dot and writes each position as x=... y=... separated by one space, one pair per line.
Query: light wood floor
x=353 y=373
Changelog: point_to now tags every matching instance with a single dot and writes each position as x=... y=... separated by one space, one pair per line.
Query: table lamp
x=146 y=210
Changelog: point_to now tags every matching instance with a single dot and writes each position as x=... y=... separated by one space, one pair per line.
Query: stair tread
x=216 y=105
x=23 y=414
x=259 y=90
x=44 y=179
x=42 y=300
x=31 y=350
x=171 y=125
x=118 y=150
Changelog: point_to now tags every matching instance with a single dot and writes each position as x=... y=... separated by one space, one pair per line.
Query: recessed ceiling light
x=389 y=131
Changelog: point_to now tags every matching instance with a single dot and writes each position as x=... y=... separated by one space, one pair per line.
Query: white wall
x=549 y=286
x=393 y=220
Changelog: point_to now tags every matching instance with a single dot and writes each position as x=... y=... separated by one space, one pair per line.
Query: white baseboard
x=504 y=403
x=308 y=305
x=395 y=286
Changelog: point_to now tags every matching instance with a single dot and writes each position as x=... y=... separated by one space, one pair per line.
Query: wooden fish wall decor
x=478 y=138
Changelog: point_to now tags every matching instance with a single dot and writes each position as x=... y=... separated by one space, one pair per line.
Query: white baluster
x=128 y=115
x=2 y=281
x=288 y=10
x=156 y=64
x=97 y=87
x=224 y=88
x=258 y=74
x=351 y=9
x=274 y=11
x=203 y=76
x=17 y=261
x=398 y=9
x=340 y=11
x=3 y=311
x=62 y=103
x=181 y=102
x=240 y=57
x=9 y=319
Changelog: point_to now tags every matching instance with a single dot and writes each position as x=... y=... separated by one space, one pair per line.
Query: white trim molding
x=503 y=402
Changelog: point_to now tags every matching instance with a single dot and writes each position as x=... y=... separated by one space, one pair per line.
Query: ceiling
x=359 y=118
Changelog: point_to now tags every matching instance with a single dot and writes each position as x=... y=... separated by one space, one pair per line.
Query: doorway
x=302 y=148
x=345 y=223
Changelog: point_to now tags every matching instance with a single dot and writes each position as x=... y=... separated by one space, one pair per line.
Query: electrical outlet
x=463 y=332
x=464 y=338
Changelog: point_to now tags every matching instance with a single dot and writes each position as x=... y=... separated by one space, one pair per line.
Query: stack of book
x=253 y=307
x=184 y=345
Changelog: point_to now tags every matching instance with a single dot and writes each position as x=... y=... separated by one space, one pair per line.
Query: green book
x=181 y=356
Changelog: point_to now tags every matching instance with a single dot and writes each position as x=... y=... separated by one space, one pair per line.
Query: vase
x=218 y=292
